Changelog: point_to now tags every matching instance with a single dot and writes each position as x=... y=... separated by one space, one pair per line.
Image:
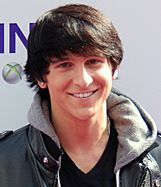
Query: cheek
x=105 y=77
x=105 y=81
x=58 y=89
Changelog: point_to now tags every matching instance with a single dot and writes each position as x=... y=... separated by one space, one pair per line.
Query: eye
x=64 y=65
x=94 y=62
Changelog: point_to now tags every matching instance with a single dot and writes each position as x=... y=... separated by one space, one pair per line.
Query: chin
x=88 y=115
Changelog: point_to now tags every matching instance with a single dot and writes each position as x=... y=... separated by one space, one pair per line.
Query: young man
x=82 y=132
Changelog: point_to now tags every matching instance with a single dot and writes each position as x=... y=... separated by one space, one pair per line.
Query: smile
x=83 y=95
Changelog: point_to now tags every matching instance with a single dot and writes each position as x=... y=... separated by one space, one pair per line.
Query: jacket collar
x=45 y=149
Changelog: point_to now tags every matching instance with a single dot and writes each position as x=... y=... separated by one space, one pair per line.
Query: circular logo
x=12 y=73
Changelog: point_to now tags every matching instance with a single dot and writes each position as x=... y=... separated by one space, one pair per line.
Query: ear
x=42 y=84
x=115 y=75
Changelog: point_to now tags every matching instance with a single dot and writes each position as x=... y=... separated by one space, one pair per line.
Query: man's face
x=78 y=85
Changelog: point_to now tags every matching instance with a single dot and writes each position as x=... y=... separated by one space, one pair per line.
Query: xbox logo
x=12 y=73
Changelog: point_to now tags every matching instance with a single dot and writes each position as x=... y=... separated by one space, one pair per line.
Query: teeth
x=83 y=95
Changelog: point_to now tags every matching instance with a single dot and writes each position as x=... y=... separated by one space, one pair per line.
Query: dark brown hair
x=75 y=28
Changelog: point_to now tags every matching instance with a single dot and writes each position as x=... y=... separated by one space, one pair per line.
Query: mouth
x=84 y=94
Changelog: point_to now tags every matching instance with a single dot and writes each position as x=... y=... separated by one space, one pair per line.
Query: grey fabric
x=134 y=134
x=38 y=117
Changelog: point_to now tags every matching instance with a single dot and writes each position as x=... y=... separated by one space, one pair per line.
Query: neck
x=76 y=136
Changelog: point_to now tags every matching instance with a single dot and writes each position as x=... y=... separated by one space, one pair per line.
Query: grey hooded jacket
x=26 y=157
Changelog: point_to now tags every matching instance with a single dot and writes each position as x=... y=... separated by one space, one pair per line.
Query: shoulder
x=10 y=133
x=156 y=151
x=158 y=141
x=5 y=134
x=13 y=146
x=11 y=140
x=159 y=137
x=14 y=151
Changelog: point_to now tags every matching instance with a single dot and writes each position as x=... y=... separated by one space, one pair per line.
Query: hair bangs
x=67 y=34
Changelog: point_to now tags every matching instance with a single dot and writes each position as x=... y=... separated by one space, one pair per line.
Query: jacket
x=31 y=155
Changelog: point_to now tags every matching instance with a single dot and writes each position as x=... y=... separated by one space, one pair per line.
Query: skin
x=78 y=87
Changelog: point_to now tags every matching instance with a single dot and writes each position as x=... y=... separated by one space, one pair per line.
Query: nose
x=83 y=78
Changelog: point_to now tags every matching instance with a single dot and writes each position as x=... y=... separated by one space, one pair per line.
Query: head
x=73 y=28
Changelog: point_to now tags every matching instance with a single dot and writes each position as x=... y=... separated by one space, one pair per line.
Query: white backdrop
x=139 y=25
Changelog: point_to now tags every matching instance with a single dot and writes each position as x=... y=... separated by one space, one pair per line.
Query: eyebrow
x=57 y=60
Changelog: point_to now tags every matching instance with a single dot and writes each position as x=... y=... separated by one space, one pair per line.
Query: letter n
x=1 y=38
x=15 y=30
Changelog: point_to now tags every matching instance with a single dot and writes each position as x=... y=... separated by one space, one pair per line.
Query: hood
x=136 y=129
x=39 y=117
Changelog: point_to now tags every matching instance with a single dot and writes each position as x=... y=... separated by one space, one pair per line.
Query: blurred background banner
x=139 y=25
